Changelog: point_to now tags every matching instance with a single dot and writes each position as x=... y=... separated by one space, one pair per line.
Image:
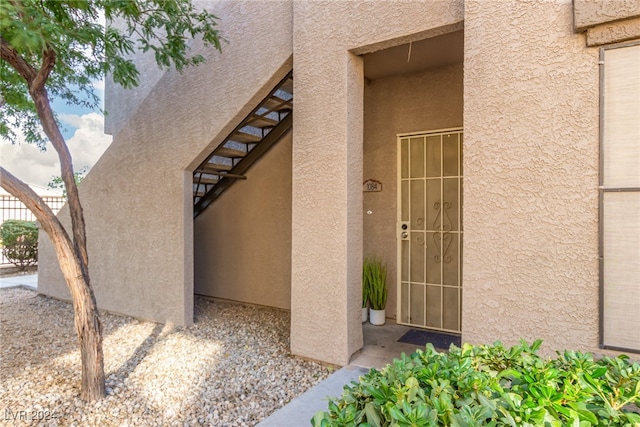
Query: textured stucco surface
x=530 y=158
x=242 y=242
x=327 y=161
x=531 y=176
x=615 y=32
x=120 y=103
x=588 y=13
x=429 y=100
x=137 y=198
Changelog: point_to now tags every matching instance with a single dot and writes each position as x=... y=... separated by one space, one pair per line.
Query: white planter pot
x=377 y=317
x=365 y=311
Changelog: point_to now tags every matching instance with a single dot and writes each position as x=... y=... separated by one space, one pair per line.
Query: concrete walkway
x=29 y=281
x=381 y=346
x=299 y=411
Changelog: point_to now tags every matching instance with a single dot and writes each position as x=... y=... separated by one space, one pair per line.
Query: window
x=620 y=197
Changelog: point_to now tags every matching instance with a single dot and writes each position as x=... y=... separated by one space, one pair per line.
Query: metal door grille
x=430 y=229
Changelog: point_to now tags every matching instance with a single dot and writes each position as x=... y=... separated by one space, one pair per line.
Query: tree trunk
x=71 y=253
x=87 y=320
x=36 y=81
x=51 y=129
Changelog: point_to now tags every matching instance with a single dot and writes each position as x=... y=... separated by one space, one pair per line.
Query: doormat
x=440 y=340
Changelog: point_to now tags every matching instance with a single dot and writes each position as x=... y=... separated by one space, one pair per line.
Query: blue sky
x=83 y=130
x=61 y=107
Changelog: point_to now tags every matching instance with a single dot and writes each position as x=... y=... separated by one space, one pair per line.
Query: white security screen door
x=430 y=229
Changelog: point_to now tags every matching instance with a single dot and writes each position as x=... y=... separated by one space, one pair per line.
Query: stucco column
x=326 y=245
x=187 y=247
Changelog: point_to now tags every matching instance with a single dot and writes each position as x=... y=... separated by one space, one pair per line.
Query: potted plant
x=365 y=295
x=376 y=278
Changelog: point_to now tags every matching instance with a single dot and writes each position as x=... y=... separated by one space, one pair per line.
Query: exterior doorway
x=429 y=230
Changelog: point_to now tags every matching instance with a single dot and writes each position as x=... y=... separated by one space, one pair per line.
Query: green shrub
x=20 y=242
x=491 y=386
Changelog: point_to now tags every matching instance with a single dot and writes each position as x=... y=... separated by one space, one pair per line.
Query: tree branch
x=51 y=129
x=48 y=62
x=9 y=54
x=36 y=81
x=43 y=213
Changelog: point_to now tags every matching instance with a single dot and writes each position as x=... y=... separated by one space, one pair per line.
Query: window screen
x=620 y=197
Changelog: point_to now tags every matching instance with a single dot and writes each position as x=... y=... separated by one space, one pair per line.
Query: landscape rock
x=231 y=368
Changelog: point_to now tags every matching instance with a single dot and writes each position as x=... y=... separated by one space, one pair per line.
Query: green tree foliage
x=20 y=242
x=57 y=183
x=73 y=31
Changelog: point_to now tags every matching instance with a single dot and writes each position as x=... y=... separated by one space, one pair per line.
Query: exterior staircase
x=253 y=137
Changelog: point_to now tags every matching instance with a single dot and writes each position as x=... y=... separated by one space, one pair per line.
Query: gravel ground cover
x=231 y=368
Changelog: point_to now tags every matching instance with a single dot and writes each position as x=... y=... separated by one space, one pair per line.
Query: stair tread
x=206 y=181
x=261 y=121
x=245 y=138
x=213 y=167
x=229 y=152
x=277 y=104
x=287 y=86
x=229 y=175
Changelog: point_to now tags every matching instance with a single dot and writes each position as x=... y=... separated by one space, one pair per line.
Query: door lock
x=404 y=230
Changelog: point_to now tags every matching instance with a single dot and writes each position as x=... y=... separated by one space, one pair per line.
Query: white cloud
x=37 y=168
x=99 y=86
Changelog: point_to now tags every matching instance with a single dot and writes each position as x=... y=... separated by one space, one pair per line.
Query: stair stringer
x=242 y=242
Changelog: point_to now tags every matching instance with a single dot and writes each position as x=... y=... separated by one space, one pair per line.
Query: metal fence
x=12 y=208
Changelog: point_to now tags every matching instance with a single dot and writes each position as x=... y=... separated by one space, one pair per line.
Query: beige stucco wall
x=327 y=219
x=589 y=13
x=616 y=32
x=137 y=198
x=530 y=162
x=242 y=242
x=121 y=103
x=428 y=100
x=607 y=21
x=531 y=176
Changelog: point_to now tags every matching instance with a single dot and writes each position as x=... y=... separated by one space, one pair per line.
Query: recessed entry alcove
x=413 y=109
